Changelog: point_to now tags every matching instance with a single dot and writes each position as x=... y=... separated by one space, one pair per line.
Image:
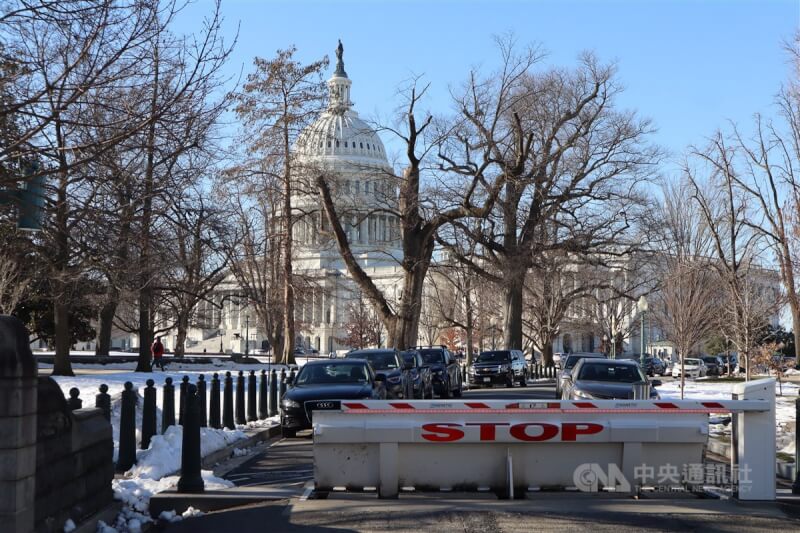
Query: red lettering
x=442 y=432
x=519 y=431
x=571 y=430
x=488 y=429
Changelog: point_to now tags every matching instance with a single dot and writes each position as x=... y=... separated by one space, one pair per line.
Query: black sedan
x=387 y=361
x=320 y=383
x=605 y=379
x=420 y=374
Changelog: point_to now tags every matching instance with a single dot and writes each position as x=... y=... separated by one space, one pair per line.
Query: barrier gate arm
x=382 y=443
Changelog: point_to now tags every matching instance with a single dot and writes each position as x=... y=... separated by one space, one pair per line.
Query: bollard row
x=258 y=399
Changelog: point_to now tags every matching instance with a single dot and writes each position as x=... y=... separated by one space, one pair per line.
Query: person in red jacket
x=157 y=351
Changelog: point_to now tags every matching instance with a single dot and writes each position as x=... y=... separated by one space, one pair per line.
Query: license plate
x=487 y=380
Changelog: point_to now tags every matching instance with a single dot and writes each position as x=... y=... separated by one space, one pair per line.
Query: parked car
x=319 y=384
x=729 y=363
x=605 y=379
x=569 y=363
x=654 y=366
x=445 y=371
x=420 y=372
x=388 y=362
x=714 y=365
x=498 y=367
x=694 y=368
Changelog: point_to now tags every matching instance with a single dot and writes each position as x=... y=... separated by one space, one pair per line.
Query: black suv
x=445 y=371
x=504 y=367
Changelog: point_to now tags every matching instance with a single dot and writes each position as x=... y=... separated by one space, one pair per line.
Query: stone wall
x=17 y=428
x=74 y=460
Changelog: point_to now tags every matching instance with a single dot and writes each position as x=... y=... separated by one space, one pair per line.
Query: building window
x=358 y=187
x=366 y=187
x=337 y=143
x=362 y=145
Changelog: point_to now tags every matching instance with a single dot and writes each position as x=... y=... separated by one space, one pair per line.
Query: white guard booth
x=528 y=445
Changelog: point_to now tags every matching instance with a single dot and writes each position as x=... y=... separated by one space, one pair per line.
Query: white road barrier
x=529 y=445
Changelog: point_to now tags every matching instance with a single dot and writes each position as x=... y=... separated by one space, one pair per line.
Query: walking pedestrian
x=157 y=351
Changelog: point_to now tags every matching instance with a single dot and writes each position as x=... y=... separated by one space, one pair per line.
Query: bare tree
x=279 y=99
x=563 y=152
x=690 y=295
x=417 y=218
x=13 y=284
x=750 y=299
x=363 y=327
x=196 y=265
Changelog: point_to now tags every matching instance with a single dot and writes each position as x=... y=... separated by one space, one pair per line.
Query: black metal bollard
x=251 y=397
x=240 y=413
x=74 y=402
x=214 y=419
x=282 y=385
x=796 y=484
x=201 y=399
x=263 y=396
x=148 y=414
x=168 y=408
x=127 y=429
x=227 y=403
x=103 y=401
x=191 y=480
x=184 y=387
x=273 y=393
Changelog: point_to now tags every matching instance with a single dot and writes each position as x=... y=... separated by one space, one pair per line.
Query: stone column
x=18 y=385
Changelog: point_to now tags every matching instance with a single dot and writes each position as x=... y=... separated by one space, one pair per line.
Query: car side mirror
x=656 y=383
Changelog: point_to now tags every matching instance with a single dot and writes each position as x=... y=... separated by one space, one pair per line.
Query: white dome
x=338 y=133
x=341 y=134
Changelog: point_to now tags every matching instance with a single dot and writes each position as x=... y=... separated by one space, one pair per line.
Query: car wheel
x=523 y=380
x=457 y=392
x=510 y=381
x=446 y=390
x=287 y=433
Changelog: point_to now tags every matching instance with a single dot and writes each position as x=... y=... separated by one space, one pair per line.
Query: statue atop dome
x=340 y=73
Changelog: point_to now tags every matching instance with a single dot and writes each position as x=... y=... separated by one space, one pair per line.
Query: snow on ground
x=711 y=390
x=155 y=466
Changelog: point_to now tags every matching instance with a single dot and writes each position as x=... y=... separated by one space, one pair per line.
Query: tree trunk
x=107 y=313
x=180 y=341
x=512 y=318
x=288 y=287
x=547 y=353
x=61 y=363
x=145 y=331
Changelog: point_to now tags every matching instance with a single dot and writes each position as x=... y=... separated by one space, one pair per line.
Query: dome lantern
x=339 y=85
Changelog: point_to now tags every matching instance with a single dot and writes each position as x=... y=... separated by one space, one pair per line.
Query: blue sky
x=688 y=65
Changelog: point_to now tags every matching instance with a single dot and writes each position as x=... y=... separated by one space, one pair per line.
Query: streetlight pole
x=642 y=305
x=247 y=335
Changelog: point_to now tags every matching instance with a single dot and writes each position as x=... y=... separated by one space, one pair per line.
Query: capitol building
x=353 y=157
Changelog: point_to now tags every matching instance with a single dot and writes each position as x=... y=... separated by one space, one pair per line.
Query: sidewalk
x=475 y=512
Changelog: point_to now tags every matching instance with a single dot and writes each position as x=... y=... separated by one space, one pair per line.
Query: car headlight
x=583 y=394
x=394 y=379
x=504 y=368
x=290 y=404
x=471 y=370
x=438 y=371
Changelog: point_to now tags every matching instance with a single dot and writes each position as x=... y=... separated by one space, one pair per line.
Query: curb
x=259 y=435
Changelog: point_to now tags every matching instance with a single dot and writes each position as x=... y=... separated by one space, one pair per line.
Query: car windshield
x=332 y=373
x=408 y=358
x=572 y=360
x=617 y=373
x=710 y=360
x=378 y=360
x=493 y=357
x=692 y=361
x=432 y=356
